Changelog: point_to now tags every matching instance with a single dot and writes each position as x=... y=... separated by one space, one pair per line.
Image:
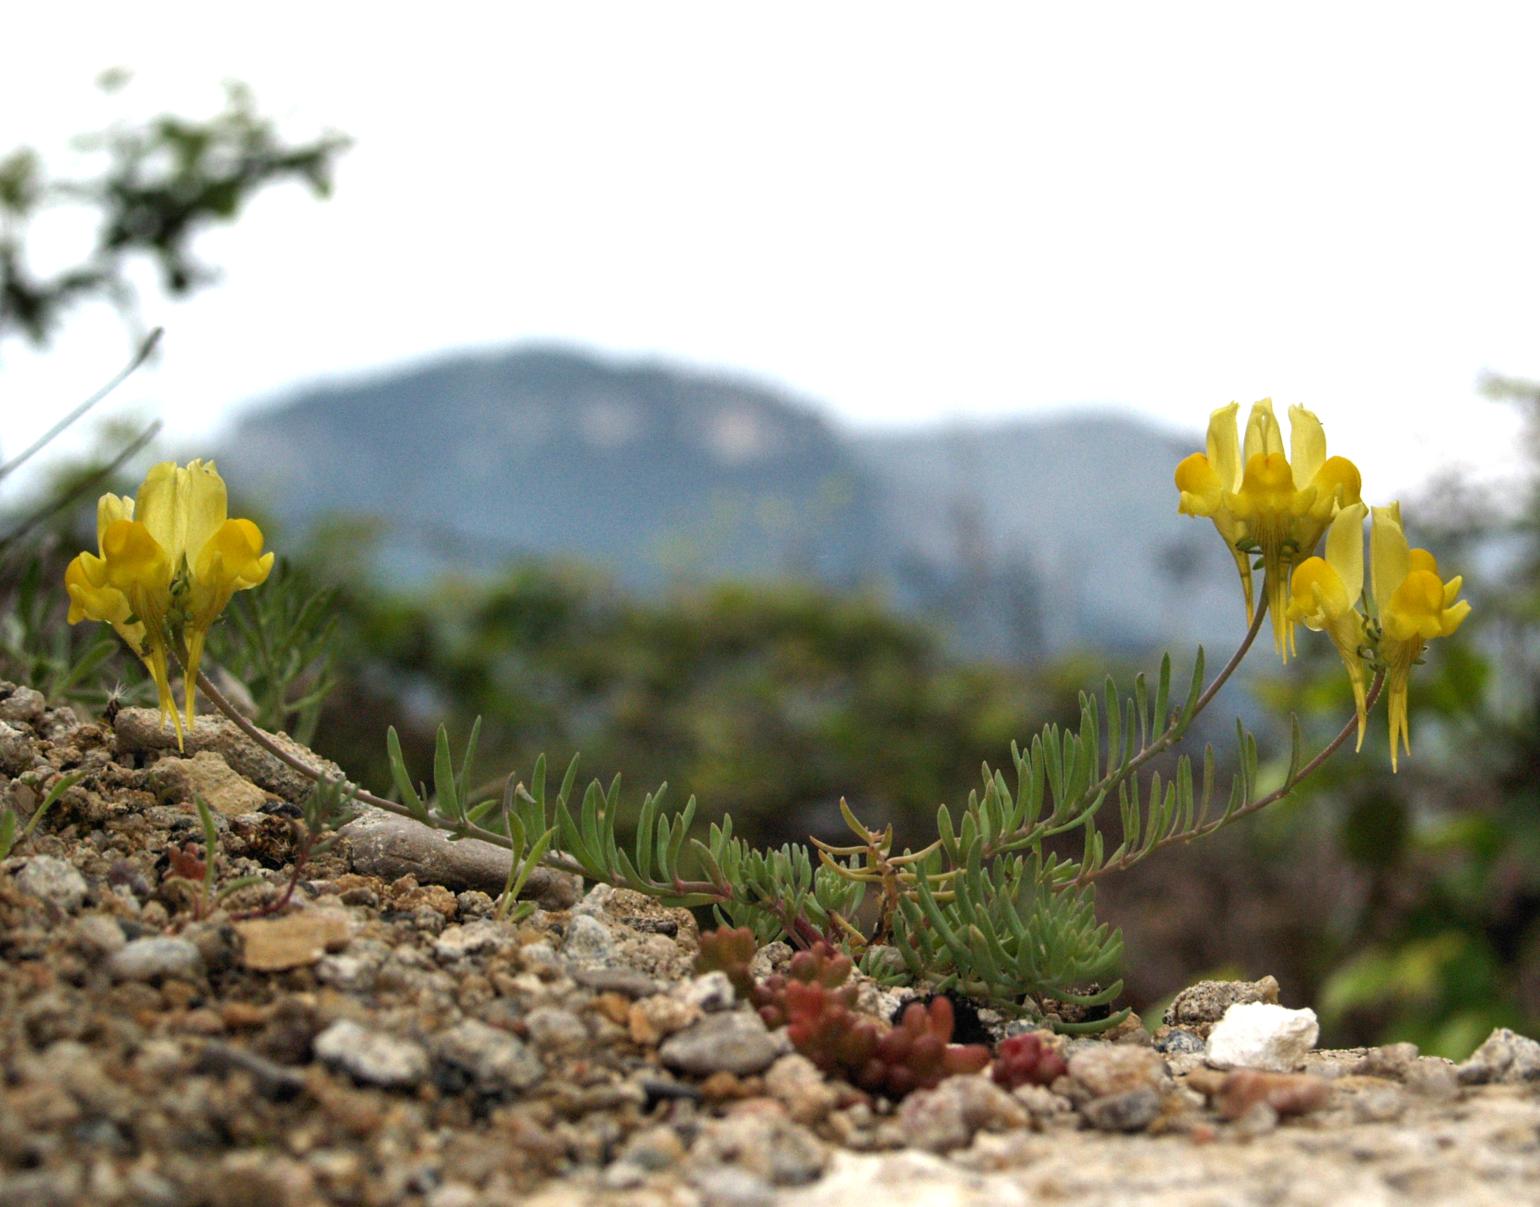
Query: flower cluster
x=1276 y=508
x=167 y=562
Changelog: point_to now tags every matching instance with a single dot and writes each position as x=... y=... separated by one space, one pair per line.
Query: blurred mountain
x=1074 y=513
x=654 y=472
x=1021 y=538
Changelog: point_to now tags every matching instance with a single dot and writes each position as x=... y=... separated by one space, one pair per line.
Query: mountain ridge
x=1020 y=537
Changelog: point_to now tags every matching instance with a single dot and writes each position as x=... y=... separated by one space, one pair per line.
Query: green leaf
x=567 y=781
x=403 y=780
x=1294 y=752
x=462 y=780
x=445 y=790
x=644 y=831
x=210 y=843
x=1194 y=691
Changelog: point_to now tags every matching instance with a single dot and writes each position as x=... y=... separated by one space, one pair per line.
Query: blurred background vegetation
x=771 y=684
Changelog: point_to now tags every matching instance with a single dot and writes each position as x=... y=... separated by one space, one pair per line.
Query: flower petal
x=1199 y=484
x=1307 y=445
x=1345 y=548
x=1224 y=450
x=182 y=507
x=1389 y=556
x=1263 y=435
x=206 y=506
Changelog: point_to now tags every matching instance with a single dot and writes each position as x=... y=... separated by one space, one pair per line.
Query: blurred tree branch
x=162 y=182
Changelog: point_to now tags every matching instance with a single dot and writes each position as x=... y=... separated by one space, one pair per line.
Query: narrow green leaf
x=402 y=778
x=1090 y=736
x=1294 y=751
x=1114 y=728
x=475 y=815
x=537 y=783
x=644 y=832
x=462 y=780
x=1194 y=690
x=567 y=780
x=210 y=843
x=445 y=793
x=947 y=834
x=592 y=795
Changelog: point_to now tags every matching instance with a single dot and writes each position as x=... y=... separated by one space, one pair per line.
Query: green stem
x=1169 y=737
x=1250 y=807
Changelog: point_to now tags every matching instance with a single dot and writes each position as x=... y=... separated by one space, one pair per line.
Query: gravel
x=154 y=959
x=373 y=1057
x=52 y=880
x=722 y=1043
x=415 y=1050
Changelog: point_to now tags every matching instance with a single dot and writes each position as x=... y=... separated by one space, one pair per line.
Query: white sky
x=903 y=213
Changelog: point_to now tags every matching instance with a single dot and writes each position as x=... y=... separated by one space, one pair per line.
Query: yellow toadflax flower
x=1412 y=606
x=1264 y=502
x=1325 y=594
x=167 y=563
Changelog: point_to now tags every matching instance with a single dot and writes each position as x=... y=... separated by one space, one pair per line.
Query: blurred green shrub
x=769 y=701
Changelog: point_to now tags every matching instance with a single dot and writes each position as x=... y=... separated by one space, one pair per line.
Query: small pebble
x=1207 y=1001
x=1100 y=1069
x=98 y=934
x=556 y=1030
x=373 y=1057
x=949 y=1116
x=474 y=904
x=17 y=750
x=156 y=958
x=473 y=938
x=1505 y=1056
x=24 y=706
x=722 y=1043
x=1284 y=1093
x=711 y=991
x=588 y=942
x=1256 y=1035
x=796 y=1083
x=1132 y=1111
x=54 y=880
x=1179 y=1042
x=654 y=1018
x=496 y=1061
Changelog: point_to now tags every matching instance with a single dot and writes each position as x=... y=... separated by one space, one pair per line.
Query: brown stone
x=242 y=1015
x=293 y=941
x=1285 y=1093
x=612 y=1006
x=206 y=775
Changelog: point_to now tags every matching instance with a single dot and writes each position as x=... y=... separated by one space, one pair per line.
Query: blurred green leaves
x=156 y=184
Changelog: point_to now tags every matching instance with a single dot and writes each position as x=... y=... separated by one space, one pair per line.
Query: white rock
x=1257 y=1035
x=709 y=992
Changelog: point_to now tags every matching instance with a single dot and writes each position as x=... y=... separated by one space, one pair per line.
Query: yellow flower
x=1412 y=604
x=168 y=562
x=1264 y=502
x=1325 y=595
x=1208 y=481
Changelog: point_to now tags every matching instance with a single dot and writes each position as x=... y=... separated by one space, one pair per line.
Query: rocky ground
x=384 y=1039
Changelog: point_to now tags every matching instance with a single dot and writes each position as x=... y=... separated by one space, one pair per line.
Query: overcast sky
x=901 y=213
